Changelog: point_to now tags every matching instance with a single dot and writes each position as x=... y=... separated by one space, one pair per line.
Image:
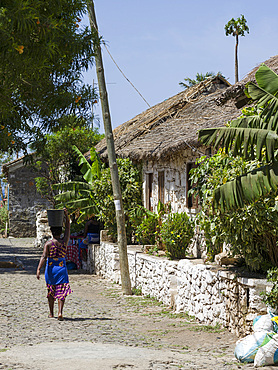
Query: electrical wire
x=113 y=60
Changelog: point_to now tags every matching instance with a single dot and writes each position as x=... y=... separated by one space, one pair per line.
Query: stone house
x=164 y=138
x=24 y=200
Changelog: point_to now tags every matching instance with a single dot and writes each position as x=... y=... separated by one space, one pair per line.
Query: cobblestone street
x=102 y=328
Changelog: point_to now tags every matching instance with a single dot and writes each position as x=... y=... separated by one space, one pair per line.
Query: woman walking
x=56 y=274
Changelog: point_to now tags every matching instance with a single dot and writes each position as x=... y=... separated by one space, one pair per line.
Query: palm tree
x=236 y=28
x=251 y=136
x=199 y=77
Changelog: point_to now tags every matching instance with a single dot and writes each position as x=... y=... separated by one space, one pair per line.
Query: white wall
x=175 y=180
x=213 y=295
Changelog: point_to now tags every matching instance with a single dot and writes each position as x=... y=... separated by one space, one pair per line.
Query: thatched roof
x=237 y=90
x=173 y=125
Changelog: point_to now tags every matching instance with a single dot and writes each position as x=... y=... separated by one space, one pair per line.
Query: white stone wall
x=43 y=232
x=175 y=180
x=211 y=295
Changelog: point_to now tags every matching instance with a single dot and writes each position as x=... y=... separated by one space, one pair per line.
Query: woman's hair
x=56 y=230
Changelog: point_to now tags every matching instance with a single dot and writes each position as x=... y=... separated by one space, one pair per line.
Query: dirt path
x=102 y=328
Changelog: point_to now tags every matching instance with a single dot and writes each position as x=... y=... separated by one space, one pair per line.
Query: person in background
x=56 y=274
x=91 y=227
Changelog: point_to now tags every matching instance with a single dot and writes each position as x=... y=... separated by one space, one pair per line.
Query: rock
x=224 y=259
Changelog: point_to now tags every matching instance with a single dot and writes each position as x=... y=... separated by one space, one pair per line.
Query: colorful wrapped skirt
x=56 y=277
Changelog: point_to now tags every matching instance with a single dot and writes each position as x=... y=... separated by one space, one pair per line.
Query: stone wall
x=24 y=201
x=43 y=233
x=175 y=181
x=214 y=295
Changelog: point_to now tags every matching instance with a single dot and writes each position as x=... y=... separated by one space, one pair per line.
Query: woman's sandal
x=60 y=318
x=50 y=316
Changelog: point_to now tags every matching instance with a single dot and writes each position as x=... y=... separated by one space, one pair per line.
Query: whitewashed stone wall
x=213 y=295
x=43 y=232
x=175 y=180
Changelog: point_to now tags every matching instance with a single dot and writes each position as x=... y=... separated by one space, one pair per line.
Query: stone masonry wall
x=213 y=295
x=24 y=202
x=175 y=191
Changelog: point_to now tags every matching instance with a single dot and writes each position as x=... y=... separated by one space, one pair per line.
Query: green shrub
x=131 y=185
x=271 y=298
x=176 y=232
x=251 y=231
x=146 y=232
x=148 y=224
x=4 y=214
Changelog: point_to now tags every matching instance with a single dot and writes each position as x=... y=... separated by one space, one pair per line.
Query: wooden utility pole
x=236 y=59
x=120 y=218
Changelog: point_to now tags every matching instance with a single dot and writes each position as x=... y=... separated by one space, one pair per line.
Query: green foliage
x=59 y=159
x=137 y=291
x=237 y=27
x=4 y=158
x=189 y=82
x=131 y=185
x=146 y=232
x=148 y=225
x=176 y=233
x=4 y=216
x=78 y=196
x=250 y=136
x=92 y=171
x=95 y=198
x=271 y=298
x=251 y=230
x=43 y=54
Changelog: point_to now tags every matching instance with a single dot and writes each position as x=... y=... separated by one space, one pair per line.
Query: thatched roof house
x=173 y=125
x=164 y=138
x=236 y=91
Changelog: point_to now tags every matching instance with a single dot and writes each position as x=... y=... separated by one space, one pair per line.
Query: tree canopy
x=236 y=27
x=43 y=54
x=57 y=161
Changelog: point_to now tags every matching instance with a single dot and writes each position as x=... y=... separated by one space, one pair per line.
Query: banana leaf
x=87 y=212
x=73 y=185
x=68 y=196
x=267 y=79
x=247 y=135
x=247 y=188
x=232 y=138
x=89 y=172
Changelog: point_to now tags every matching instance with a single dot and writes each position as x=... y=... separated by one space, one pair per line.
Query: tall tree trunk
x=236 y=60
x=120 y=218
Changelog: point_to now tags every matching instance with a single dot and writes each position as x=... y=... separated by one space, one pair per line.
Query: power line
x=120 y=68
x=125 y=76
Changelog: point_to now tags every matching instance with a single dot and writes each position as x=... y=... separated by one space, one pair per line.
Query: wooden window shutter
x=191 y=201
x=149 y=191
x=161 y=181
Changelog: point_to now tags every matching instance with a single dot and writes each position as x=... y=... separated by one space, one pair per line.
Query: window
x=149 y=191
x=191 y=201
x=161 y=186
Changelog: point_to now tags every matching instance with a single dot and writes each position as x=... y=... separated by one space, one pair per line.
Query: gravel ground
x=102 y=328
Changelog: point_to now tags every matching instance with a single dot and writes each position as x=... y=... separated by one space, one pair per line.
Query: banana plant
x=78 y=195
x=250 y=136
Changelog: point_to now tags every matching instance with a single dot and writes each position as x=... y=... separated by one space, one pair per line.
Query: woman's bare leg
x=51 y=306
x=60 y=308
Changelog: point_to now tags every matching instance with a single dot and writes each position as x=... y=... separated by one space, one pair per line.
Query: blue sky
x=157 y=43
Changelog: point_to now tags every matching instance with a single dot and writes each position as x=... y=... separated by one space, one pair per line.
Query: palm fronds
x=250 y=137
